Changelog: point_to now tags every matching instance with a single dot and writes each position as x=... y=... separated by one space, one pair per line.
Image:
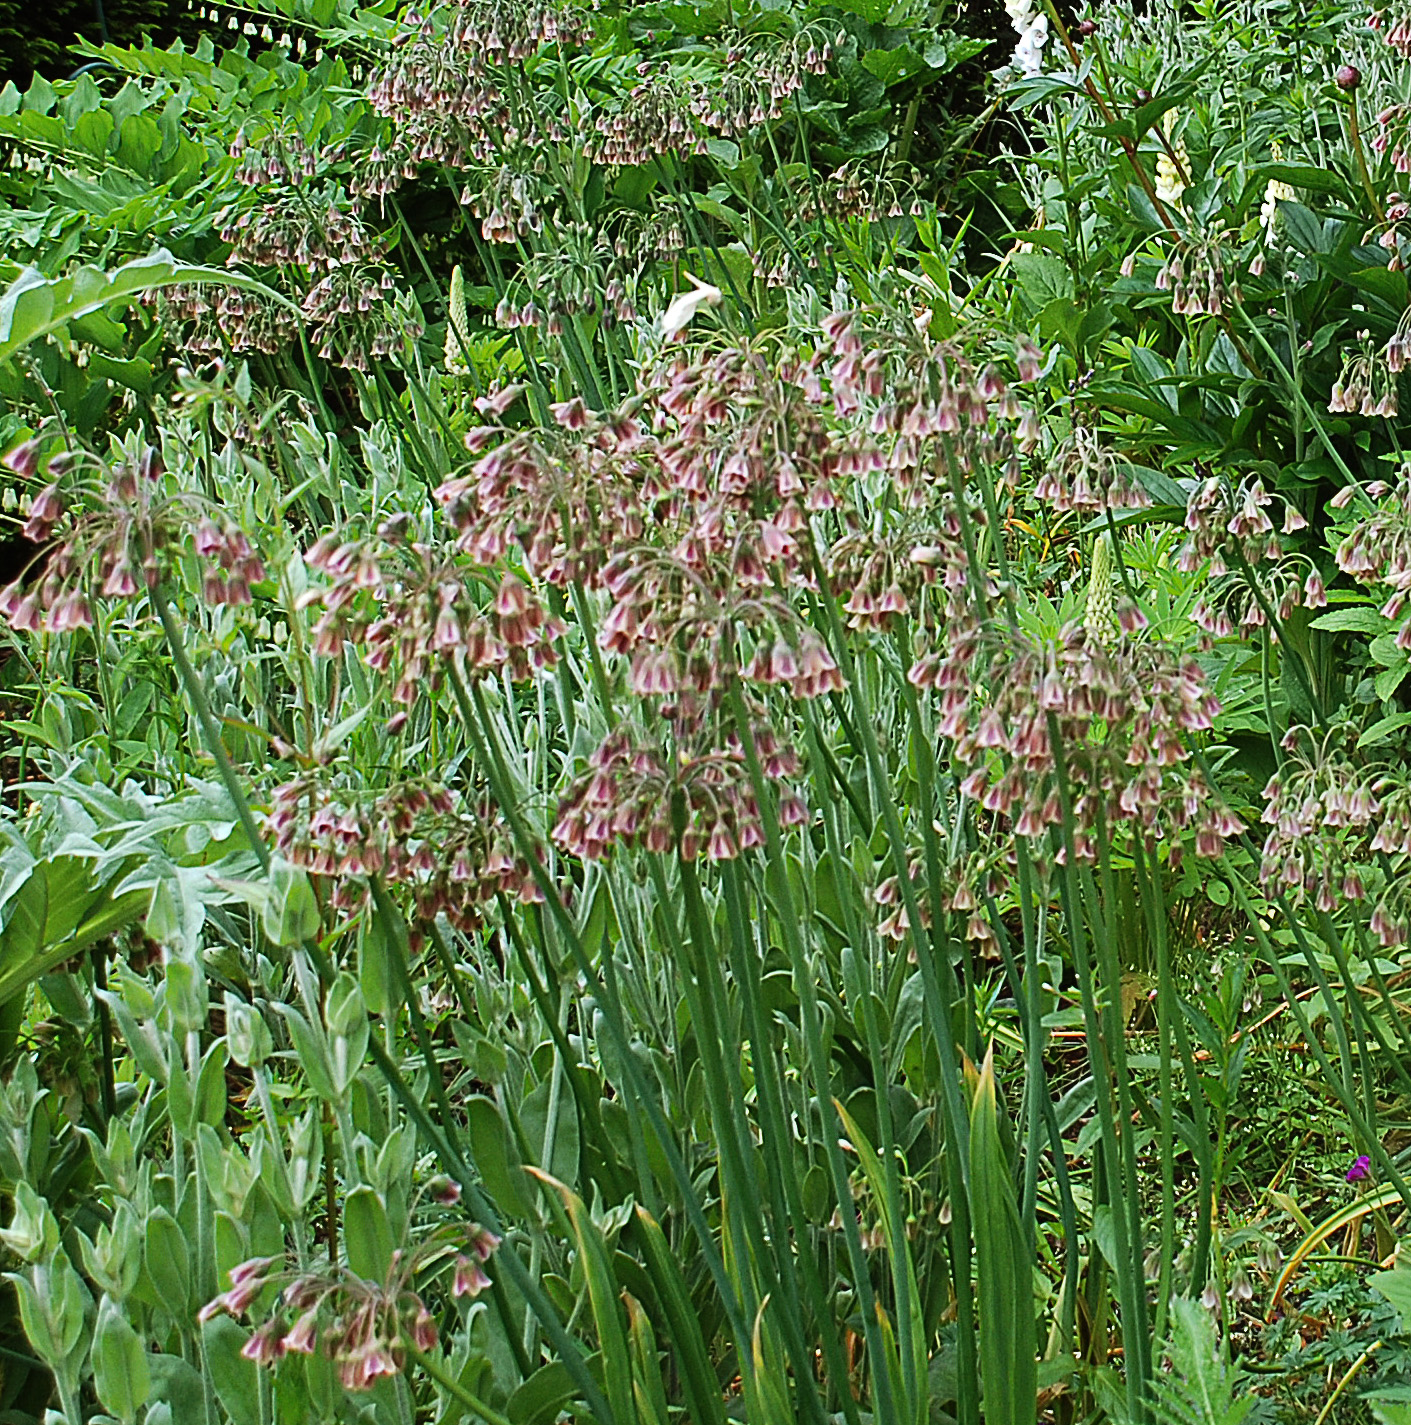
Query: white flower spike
x=685 y=305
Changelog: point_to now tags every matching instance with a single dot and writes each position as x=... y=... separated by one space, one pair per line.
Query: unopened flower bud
x=23 y=460
x=1348 y=78
x=1087 y=27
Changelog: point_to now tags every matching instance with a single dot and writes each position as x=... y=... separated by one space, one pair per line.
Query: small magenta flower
x=470 y=1278
x=1361 y=1168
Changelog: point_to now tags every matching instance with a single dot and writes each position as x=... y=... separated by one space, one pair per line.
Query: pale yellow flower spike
x=457 y=326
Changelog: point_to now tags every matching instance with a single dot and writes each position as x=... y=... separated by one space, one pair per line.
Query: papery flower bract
x=685 y=305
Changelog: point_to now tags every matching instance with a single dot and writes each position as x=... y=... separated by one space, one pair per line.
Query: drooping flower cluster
x=930 y=414
x=1393 y=135
x=1331 y=815
x=1395 y=24
x=1377 y=549
x=562 y=500
x=412 y=610
x=1122 y=715
x=363 y=1327
x=689 y=791
x=584 y=272
x=219 y=318
x=355 y=315
x=1230 y=527
x=272 y=151
x=116 y=529
x=1084 y=476
x=309 y=229
x=508 y=202
x=1367 y=385
x=849 y=192
x=453 y=855
x=1194 y=274
x=447 y=88
x=755 y=82
x=655 y=118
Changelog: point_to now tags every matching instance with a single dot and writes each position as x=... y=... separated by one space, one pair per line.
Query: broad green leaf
x=495 y=1157
x=121 y=1375
x=1396 y=1287
x=313 y=1055
x=367 y=1235
x=236 y=1380
x=291 y=913
x=603 y=1297
x=1364 y=619
x=168 y=1263
x=1383 y=728
x=541 y=1399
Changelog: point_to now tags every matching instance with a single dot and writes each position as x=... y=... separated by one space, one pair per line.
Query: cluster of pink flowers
x=274 y=153
x=655 y=118
x=364 y=1327
x=755 y=83
x=354 y=317
x=219 y=319
x=1394 y=135
x=453 y=855
x=1330 y=816
x=1395 y=25
x=411 y=610
x=1334 y=817
x=117 y=538
x=690 y=791
x=1377 y=549
x=1230 y=528
x=446 y=87
x=1121 y=714
x=1194 y=274
x=1083 y=476
x=1368 y=385
x=306 y=229
x=692 y=512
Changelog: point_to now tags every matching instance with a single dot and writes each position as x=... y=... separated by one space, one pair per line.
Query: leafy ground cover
x=706 y=718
